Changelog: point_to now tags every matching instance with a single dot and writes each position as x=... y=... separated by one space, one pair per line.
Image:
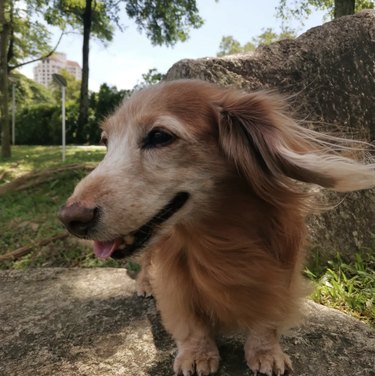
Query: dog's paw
x=201 y=363
x=269 y=362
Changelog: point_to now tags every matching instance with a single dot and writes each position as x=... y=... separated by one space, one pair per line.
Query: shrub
x=41 y=124
x=35 y=125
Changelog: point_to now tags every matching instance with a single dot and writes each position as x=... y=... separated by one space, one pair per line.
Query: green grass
x=346 y=285
x=29 y=216
x=33 y=158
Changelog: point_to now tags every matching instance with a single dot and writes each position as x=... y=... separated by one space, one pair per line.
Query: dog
x=212 y=183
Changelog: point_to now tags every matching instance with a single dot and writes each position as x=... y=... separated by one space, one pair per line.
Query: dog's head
x=172 y=146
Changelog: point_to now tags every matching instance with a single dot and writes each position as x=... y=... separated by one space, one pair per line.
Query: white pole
x=13 y=113
x=63 y=123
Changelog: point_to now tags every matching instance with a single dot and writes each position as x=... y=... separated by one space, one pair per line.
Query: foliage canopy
x=302 y=9
x=229 y=45
x=164 y=21
x=29 y=38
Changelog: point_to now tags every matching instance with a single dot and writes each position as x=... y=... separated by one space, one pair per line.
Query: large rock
x=88 y=322
x=328 y=73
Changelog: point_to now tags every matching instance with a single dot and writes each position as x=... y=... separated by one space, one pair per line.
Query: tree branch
x=39 y=58
x=34 y=178
x=27 y=249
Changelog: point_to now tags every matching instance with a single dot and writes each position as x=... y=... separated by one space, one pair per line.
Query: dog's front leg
x=264 y=354
x=143 y=286
x=196 y=353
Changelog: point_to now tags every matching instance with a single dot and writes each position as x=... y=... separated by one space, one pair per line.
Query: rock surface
x=88 y=322
x=328 y=74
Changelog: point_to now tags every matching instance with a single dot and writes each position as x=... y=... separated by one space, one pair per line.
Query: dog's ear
x=271 y=151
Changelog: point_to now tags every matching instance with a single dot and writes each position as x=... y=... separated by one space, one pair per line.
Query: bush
x=41 y=124
x=35 y=125
x=102 y=104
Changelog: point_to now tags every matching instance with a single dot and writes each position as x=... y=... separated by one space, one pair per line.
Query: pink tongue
x=105 y=249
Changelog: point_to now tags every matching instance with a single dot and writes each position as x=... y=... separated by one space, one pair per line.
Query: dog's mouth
x=138 y=239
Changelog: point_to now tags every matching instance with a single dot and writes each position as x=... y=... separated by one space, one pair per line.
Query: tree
x=106 y=100
x=269 y=36
x=102 y=104
x=84 y=96
x=23 y=39
x=229 y=45
x=343 y=8
x=300 y=10
x=163 y=21
x=4 y=41
x=72 y=91
x=152 y=77
x=29 y=92
x=94 y=18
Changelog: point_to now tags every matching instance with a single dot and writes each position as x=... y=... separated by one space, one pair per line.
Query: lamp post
x=13 y=80
x=61 y=81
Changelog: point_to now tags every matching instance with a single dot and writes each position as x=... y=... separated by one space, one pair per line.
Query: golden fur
x=231 y=257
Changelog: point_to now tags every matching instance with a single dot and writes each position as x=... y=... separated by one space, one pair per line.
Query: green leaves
x=29 y=37
x=69 y=14
x=29 y=92
x=301 y=10
x=348 y=286
x=72 y=90
x=164 y=21
x=229 y=45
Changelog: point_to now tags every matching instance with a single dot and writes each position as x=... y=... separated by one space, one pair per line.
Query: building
x=54 y=64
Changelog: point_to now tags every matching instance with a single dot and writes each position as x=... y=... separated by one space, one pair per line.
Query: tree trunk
x=84 y=96
x=4 y=113
x=344 y=8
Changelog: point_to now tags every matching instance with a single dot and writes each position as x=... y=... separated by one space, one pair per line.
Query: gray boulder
x=88 y=322
x=328 y=74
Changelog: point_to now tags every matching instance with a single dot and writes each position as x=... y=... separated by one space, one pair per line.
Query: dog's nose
x=78 y=219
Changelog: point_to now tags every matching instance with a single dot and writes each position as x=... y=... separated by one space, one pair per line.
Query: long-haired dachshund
x=208 y=180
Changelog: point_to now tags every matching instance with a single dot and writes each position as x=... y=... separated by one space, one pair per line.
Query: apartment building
x=54 y=64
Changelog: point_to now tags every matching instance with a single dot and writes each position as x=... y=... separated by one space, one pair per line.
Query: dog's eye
x=104 y=140
x=157 y=138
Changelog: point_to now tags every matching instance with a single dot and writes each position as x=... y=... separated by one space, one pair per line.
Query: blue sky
x=130 y=54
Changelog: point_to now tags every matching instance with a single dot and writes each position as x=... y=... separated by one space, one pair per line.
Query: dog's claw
x=269 y=364
x=144 y=289
x=197 y=363
x=144 y=294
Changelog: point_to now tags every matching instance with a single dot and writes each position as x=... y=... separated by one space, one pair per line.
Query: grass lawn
x=348 y=286
x=29 y=216
x=30 y=158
